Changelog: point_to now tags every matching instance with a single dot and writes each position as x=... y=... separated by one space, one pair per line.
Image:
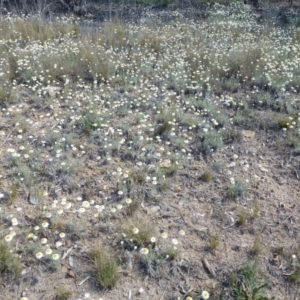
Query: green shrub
x=236 y=190
x=247 y=285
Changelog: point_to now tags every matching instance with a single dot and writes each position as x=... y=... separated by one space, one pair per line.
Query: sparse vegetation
x=132 y=146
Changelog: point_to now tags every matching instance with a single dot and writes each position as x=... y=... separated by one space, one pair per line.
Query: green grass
x=247 y=285
x=236 y=190
x=242 y=217
x=207 y=176
x=256 y=246
x=9 y=264
x=89 y=121
x=105 y=266
x=146 y=230
x=213 y=242
x=171 y=252
x=62 y=293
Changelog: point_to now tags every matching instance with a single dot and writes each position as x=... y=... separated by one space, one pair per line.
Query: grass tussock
x=236 y=190
x=62 y=293
x=247 y=284
x=9 y=264
x=139 y=231
x=105 y=266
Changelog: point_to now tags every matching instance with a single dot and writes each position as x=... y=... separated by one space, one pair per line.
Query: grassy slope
x=138 y=130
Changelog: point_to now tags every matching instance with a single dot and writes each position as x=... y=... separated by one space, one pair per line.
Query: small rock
x=24 y=271
x=165 y=163
x=248 y=134
x=71 y=261
x=71 y=274
x=58 y=244
x=262 y=168
x=24 y=293
x=282 y=181
x=183 y=202
x=177 y=189
x=34 y=200
x=155 y=208
x=53 y=91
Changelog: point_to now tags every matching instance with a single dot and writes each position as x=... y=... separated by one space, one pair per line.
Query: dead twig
x=209 y=267
x=6 y=139
x=84 y=280
x=183 y=219
x=67 y=252
x=290 y=215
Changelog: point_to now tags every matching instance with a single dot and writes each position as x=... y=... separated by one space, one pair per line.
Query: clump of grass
x=51 y=265
x=105 y=266
x=136 y=177
x=231 y=85
x=231 y=136
x=30 y=249
x=9 y=264
x=292 y=141
x=139 y=231
x=212 y=142
x=171 y=170
x=132 y=207
x=61 y=293
x=206 y=176
x=70 y=227
x=13 y=194
x=255 y=210
x=238 y=118
x=284 y=122
x=150 y=262
x=89 y=121
x=165 y=127
x=116 y=33
x=294 y=275
x=242 y=217
x=171 y=252
x=36 y=28
x=218 y=165
x=5 y=94
x=236 y=190
x=165 y=119
x=164 y=185
x=213 y=242
x=256 y=246
x=246 y=284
